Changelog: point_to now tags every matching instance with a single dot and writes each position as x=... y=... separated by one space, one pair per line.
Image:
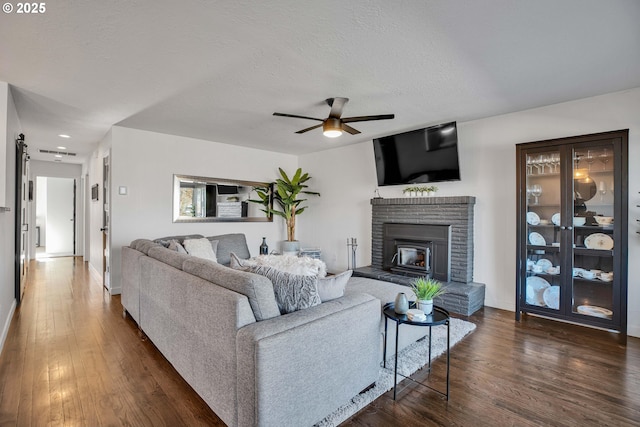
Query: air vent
x=62 y=153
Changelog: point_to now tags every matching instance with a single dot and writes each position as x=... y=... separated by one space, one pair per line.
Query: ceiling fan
x=334 y=125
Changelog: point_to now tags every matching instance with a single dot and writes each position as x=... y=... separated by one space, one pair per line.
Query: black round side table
x=439 y=316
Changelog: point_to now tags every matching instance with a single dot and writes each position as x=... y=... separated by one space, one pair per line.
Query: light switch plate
x=122 y=190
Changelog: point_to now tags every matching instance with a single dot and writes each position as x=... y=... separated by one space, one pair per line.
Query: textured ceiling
x=217 y=70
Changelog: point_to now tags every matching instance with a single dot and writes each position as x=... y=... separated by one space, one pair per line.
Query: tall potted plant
x=426 y=289
x=287 y=204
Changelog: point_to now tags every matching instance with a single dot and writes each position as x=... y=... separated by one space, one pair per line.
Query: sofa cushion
x=145 y=245
x=172 y=258
x=201 y=248
x=257 y=289
x=293 y=292
x=332 y=287
x=134 y=244
x=228 y=243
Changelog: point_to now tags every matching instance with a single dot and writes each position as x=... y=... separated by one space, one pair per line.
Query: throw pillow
x=238 y=263
x=293 y=292
x=302 y=266
x=214 y=246
x=174 y=245
x=332 y=287
x=200 y=248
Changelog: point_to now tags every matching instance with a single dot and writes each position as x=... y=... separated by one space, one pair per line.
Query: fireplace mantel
x=456 y=212
x=455 y=200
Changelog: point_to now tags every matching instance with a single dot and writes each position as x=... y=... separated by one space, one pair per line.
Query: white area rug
x=410 y=360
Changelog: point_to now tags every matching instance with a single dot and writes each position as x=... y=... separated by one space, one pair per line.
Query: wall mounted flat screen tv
x=419 y=156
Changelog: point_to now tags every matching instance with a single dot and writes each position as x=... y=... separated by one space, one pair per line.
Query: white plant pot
x=413 y=194
x=290 y=248
x=426 y=305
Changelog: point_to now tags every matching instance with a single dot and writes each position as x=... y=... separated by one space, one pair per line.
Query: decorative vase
x=426 y=305
x=290 y=247
x=264 y=248
x=401 y=304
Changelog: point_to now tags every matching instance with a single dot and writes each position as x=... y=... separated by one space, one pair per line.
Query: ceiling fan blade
x=349 y=129
x=367 y=118
x=295 y=116
x=337 y=104
x=311 y=128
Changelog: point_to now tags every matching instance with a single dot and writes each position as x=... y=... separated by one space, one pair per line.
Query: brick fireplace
x=436 y=230
x=450 y=218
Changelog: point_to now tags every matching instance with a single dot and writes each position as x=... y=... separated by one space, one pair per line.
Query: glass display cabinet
x=572 y=229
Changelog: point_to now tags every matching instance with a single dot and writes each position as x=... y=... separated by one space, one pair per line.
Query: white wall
x=145 y=163
x=4 y=139
x=346 y=179
x=9 y=130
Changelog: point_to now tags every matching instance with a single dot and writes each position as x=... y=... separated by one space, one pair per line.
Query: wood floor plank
x=71 y=359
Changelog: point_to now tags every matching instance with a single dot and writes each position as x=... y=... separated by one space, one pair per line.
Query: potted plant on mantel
x=420 y=191
x=287 y=204
x=426 y=289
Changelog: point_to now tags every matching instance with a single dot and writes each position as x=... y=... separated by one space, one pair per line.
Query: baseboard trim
x=95 y=273
x=7 y=324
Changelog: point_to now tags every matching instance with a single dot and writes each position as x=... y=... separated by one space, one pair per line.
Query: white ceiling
x=217 y=70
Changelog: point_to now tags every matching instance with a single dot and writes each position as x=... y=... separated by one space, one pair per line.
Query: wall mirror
x=202 y=199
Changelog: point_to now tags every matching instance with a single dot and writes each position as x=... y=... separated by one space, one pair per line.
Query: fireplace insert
x=413 y=258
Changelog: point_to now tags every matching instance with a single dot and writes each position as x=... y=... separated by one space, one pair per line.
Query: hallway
x=70 y=359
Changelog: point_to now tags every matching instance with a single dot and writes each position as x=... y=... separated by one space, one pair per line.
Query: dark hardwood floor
x=70 y=359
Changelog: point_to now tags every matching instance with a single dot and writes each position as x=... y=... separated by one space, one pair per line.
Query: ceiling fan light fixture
x=332 y=128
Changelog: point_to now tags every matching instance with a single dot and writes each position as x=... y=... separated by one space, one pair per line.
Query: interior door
x=60 y=216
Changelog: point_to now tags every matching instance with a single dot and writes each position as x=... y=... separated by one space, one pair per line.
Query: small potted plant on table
x=426 y=289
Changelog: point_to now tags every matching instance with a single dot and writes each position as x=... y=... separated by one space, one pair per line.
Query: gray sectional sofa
x=222 y=331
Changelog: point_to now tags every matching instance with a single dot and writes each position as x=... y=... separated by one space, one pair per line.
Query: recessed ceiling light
x=62 y=135
x=58 y=156
x=448 y=130
x=60 y=147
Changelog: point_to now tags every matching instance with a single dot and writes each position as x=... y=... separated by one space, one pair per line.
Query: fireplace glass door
x=413 y=258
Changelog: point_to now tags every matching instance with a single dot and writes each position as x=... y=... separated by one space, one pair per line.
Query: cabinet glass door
x=592 y=290
x=543 y=207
